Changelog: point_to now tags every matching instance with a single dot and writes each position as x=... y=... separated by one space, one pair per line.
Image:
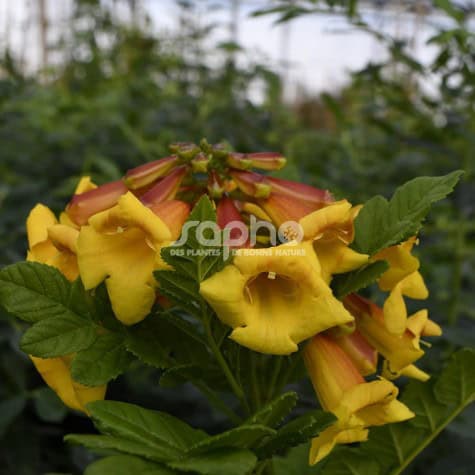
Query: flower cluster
x=274 y=299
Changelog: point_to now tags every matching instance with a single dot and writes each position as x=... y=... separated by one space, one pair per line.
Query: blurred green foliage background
x=110 y=105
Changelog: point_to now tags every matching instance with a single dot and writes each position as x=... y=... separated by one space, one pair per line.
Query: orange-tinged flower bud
x=267 y=160
x=357 y=347
x=331 y=370
x=251 y=183
x=228 y=216
x=300 y=191
x=165 y=189
x=146 y=174
x=399 y=350
x=83 y=206
x=200 y=163
x=283 y=208
x=240 y=161
x=185 y=150
x=215 y=185
x=173 y=213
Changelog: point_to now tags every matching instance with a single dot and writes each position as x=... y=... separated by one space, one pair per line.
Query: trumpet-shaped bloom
x=122 y=246
x=356 y=346
x=401 y=279
x=56 y=373
x=400 y=351
x=274 y=298
x=342 y=390
x=330 y=229
x=51 y=243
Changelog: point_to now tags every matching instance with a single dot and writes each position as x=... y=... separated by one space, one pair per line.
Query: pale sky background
x=320 y=51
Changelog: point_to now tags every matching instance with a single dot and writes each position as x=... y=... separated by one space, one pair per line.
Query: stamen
x=425 y=343
x=249 y=294
x=271 y=275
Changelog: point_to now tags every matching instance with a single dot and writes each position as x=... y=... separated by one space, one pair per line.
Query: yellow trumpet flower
x=401 y=279
x=331 y=230
x=274 y=298
x=342 y=390
x=56 y=374
x=400 y=351
x=122 y=246
x=51 y=243
x=54 y=244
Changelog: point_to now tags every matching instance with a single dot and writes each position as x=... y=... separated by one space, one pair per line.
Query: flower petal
x=274 y=300
x=127 y=262
x=336 y=257
x=333 y=215
x=56 y=374
x=37 y=224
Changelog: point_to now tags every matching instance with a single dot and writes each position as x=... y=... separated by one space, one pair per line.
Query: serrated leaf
x=33 y=291
x=143 y=340
x=296 y=432
x=295 y=462
x=126 y=465
x=346 y=462
x=162 y=342
x=155 y=430
x=274 y=412
x=220 y=462
x=103 y=361
x=456 y=384
x=345 y=284
x=58 y=336
x=243 y=437
x=381 y=224
x=103 y=443
x=192 y=261
x=196 y=374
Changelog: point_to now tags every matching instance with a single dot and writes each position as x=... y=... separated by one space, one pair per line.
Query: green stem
x=236 y=388
x=427 y=441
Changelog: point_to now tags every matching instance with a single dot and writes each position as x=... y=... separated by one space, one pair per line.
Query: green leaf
x=211 y=375
x=33 y=291
x=456 y=385
x=58 y=336
x=345 y=462
x=192 y=261
x=219 y=462
x=243 y=437
x=295 y=462
x=436 y=404
x=104 y=360
x=126 y=465
x=345 y=284
x=108 y=444
x=381 y=224
x=144 y=340
x=296 y=432
x=274 y=412
x=161 y=341
x=160 y=432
